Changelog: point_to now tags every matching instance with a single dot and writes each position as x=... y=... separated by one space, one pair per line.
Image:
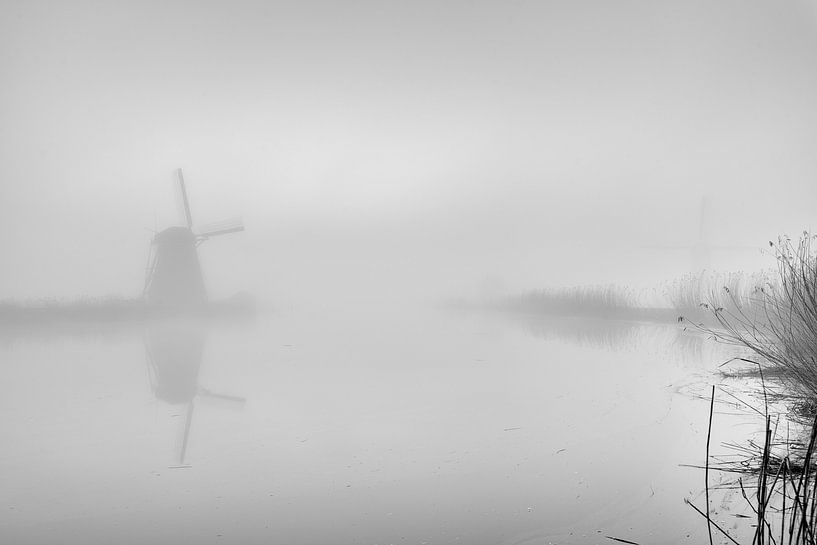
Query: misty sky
x=401 y=147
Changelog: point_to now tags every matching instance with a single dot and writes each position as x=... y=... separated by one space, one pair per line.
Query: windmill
x=173 y=277
x=174 y=353
x=700 y=251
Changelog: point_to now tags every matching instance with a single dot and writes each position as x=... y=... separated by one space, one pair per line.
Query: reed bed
x=42 y=310
x=777 y=325
x=596 y=301
x=694 y=295
x=104 y=315
x=691 y=295
x=592 y=300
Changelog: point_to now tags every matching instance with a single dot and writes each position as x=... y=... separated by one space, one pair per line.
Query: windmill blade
x=151 y=362
x=205 y=393
x=187 y=215
x=703 y=221
x=149 y=268
x=667 y=246
x=735 y=247
x=221 y=228
x=187 y=424
x=208 y=234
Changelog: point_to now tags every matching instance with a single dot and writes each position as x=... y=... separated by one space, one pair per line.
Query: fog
x=396 y=149
x=383 y=157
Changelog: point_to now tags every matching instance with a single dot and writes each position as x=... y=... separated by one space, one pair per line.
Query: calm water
x=332 y=427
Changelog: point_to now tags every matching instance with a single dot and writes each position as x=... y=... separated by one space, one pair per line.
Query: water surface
x=331 y=426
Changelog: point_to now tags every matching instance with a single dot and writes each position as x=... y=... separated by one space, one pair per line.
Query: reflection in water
x=174 y=351
x=363 y=428
x=620 y=335
x=596 y=332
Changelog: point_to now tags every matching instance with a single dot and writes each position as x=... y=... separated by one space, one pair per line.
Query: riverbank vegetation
x=691 y=296
x=775 y=331
x=777 y=326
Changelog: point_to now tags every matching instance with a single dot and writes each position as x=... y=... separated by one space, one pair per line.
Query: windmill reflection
x=174 y=351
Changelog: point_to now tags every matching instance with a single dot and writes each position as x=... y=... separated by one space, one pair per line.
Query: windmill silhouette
x=174 y=352
x=701 y=251
x=173 y=277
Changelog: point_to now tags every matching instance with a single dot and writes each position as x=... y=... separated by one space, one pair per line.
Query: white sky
x=401 y=146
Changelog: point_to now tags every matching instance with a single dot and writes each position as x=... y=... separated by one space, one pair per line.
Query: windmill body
x=176 y=279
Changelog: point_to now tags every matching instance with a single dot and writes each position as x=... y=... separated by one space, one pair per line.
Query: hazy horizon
x=375 y=149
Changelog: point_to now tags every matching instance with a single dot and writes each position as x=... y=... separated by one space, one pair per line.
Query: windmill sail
x=187 y=423
x=220 y=228
x=185 y=202
x=205 y=393
x=701 y=250
x=149 y=268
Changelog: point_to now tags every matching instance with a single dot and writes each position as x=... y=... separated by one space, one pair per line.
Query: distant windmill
x=701 y=250
x=174 y=277
x=174 y=353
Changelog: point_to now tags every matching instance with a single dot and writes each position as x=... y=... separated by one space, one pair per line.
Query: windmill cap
x=181 y=236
